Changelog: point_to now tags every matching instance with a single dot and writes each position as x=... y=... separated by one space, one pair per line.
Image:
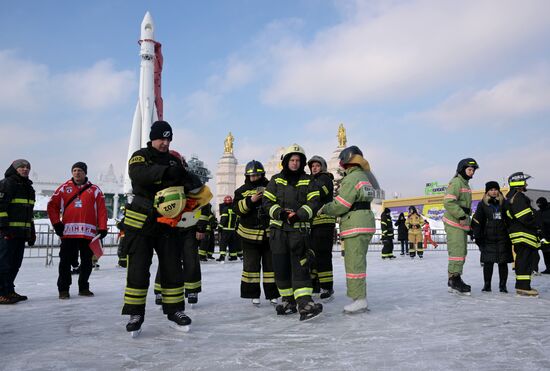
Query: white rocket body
x=146 y=112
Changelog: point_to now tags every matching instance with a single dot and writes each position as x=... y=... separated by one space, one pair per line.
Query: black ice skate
x=456 y=285
x=285 y=308
x=193 y=298
x=179 y=321
x=310 y=311
x=134 y=325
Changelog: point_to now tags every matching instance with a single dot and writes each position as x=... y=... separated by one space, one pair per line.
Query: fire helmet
x=320 y=160
x=518 y=179
x=170 y=202
x=294 y=149
x=254 y=168
x=466 y=163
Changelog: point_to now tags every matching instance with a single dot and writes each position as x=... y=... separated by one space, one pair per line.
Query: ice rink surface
x=413 y=324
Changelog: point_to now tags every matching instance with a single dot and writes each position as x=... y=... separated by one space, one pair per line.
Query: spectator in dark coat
x=543 y=217
x=491 y=236
x=402 y=233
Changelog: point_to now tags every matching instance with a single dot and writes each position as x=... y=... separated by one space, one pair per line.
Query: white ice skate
x=256 y=302
x=274 y=302
x=357 y=306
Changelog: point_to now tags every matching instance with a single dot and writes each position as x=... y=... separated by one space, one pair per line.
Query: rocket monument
x=149 y=105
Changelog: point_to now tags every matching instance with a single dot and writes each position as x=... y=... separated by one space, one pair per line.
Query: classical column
x=226 y=173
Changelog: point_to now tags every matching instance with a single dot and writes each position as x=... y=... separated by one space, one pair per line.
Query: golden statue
x=342 y=139
x=228 y=144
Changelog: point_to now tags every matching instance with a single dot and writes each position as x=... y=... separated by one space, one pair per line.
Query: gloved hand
x=32 y=239
x=59 y=227
x=175 y=173
x=102 y=233
x=293 y=218
x=283 y=215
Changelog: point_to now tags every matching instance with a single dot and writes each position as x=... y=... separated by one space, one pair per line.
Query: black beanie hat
x=490 y=185
x=542 y=202
x=81 y=165
x=20 y=163
x=161 y=130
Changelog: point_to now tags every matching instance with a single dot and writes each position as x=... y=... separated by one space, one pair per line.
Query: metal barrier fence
x=47 y=243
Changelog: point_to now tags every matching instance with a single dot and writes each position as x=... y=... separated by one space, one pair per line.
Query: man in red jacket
x=77 y=212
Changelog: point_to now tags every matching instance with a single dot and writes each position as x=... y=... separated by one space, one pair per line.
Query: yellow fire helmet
x=170 y=201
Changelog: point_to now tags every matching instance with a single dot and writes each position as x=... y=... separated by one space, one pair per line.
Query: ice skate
x=7 y=300
x=134 y=325
x=274 y=302
x=85 y=293
x=457 y=286
x=531 y=293
x=310 y=310
x=17 y=297
x=203 y=259
x=256 y=302
x=221 y=259
x=286 y=308
x=158 y=299
x=232 y=258
x=327 y=295
x=179 y=321
x=193 y=298
x=357 y=306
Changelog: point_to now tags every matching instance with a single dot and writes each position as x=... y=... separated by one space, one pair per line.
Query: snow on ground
x=414 y=324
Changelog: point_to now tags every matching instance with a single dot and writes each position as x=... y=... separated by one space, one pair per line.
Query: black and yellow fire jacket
x=253 y=220
x=522 y=224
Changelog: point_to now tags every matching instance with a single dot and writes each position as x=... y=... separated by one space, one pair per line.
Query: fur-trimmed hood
x=499 y=198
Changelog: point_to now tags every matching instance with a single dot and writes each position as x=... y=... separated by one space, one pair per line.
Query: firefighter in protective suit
x=386 y=225
x=458 y=202
x=153 y=170
x=291 y=199
x=523 y=231
x=226 y=229
x=414 y=225
x=322 y=232
x=253 y=231
x=357 y=226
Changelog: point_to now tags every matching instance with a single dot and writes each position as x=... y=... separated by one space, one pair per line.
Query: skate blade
x=364 y=310
x=453 y=291
x=179 y=328
x=307 y=319
x=328 y=300
x=527 y=296
x=135 y=334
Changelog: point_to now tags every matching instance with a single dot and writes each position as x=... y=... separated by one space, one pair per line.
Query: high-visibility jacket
x=522 y=224
x=83 y=216
x=253 y=221
x=386 y=225
x=352 y=204
x=458 y=202
x=326 y=192
x=300 y=196
x=17 y=199
x=228 y=218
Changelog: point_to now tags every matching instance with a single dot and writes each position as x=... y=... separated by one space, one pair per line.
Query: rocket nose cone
x=147 y=27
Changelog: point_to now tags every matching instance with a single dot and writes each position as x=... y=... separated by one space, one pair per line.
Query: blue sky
x=418 y=84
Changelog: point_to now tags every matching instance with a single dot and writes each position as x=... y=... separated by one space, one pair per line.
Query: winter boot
x=288 y=306
x=18 y=297
x=357 y=306
x=180 y=321
x=193 y=298
x=6 y=299
x=502 y=288
x=135 y=322
x=221 y=258
x=458 y=286
x=327 y=295
x=232 y=258
x=486 y=287
x=158 y=299
x=527 y=292
x=63 y=295
x=86 y=292
x=310 y=311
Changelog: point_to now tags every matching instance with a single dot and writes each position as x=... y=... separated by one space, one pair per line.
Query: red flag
x=96 y=247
